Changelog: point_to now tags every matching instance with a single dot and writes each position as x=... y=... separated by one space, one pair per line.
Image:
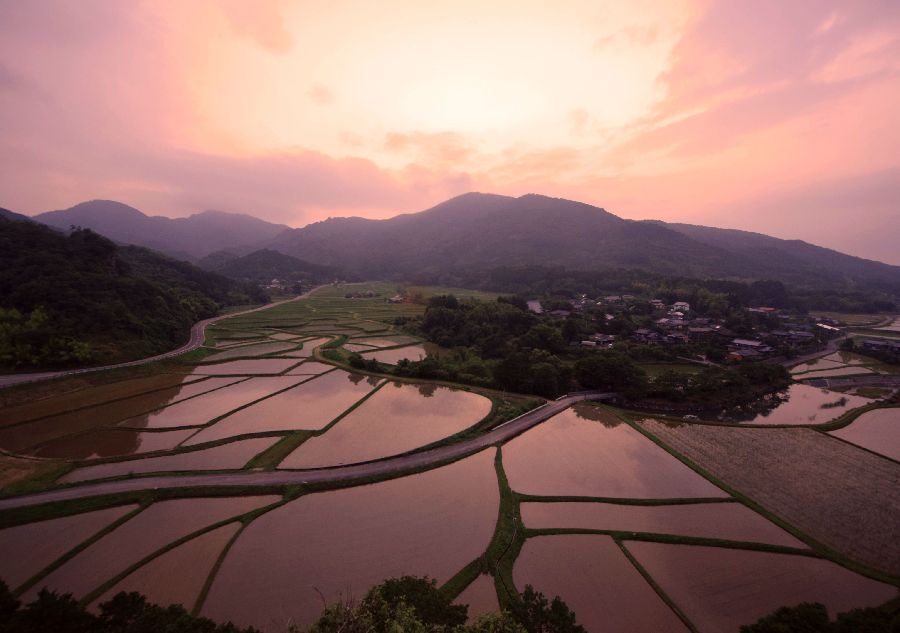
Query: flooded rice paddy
x=720 y=589
x=27 y=549
x=178 y=576
x=394 y=356
x=878 y=431
x=729 y=521
x=342 y=542
x=385 y=341
x=597 y=581
x=804 y=404
x=92 y=396
x=843 y=497
x=112 y=443
x=20 y=437
x=308 y=347
x=154 y=528
x=268 y=366
x=480 y=596
x=310 y=405
x=397 y=418
x=227 y=456
x=436 y=522
x=572 y=455
x=250 y=351
x=202 y=409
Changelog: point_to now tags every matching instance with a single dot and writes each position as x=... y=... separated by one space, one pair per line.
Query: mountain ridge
x=190 y=238
x=490 y=230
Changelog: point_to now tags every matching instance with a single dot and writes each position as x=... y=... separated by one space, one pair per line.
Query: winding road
x=198 y=335
x=391 y=466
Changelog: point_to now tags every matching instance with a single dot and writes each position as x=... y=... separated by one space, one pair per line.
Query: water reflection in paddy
x=721 y=589
x=597 y=581
x=250 y=350
x=111 y=443
x=27 y=549
x=572 y=455
x=480 y=596
x=155 y=527
x=878 y=431
x=177 y=576
x=803 y=404
x=730 y=521
x=227 y=456
x=311 y=405
x=343 y=542
x=18 y=438
x=398 y=418
x=393 y=356
x=245 y=367
x=308 y=347
x=202 y=409
x=385 y=341
x=92 y=396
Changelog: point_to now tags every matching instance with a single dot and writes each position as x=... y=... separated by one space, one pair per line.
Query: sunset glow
x=769 y=116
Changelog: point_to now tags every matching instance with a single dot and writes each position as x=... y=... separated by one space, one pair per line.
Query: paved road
x=830 y=347
x=387 y=467
x=198 y=335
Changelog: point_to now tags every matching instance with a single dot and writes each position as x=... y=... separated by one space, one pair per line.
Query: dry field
x=844 y=497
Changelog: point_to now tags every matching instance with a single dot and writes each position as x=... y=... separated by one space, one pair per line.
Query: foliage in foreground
x=812 y=617
x=407 y=605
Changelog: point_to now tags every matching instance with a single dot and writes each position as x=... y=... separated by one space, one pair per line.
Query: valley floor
x=264 y=475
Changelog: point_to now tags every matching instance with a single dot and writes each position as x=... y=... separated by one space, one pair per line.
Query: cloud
x=262 y=21
x=320 y=94
x=447 y=150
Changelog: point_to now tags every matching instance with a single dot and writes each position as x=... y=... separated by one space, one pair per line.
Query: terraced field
x=622 y=520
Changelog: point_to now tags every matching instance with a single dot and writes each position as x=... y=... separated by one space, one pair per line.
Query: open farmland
x=843 y=497
x=579 y=495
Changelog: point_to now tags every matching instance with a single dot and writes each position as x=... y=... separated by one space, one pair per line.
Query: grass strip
x=657 y=588
x=275 y=454
x=625 y=501
x=72 y=553
x=676 y=539
x=463 y=578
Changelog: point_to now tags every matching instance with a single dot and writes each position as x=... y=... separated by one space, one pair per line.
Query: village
x=759 y=333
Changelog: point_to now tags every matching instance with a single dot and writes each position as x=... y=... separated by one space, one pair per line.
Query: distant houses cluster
x=675 y=323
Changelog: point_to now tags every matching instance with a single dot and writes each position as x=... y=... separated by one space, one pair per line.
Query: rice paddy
x=632 y=523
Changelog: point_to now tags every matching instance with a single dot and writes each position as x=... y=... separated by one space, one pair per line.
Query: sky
x=771 y=116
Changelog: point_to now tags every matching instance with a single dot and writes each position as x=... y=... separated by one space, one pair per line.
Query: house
x=603 y=340
x=657 y=304
x=396 y=299
x=748 y=347
x=589 y=344
x=535 y=306
x=613 y=299
x=701 y=333
x=745 y=343
x=681 y=306
x=562 y=314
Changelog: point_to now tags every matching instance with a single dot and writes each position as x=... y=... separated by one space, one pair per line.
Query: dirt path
x=391 y=466
x=198 y=335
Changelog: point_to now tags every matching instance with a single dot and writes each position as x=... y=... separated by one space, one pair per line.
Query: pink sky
x=779 y=117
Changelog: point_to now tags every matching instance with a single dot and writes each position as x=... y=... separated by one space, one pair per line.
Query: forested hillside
x=79 y=298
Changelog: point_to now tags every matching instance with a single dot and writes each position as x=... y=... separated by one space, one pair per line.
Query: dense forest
x=77 y=298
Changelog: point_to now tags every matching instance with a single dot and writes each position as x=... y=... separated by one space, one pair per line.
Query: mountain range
x=478 y=230
x=186 y=238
